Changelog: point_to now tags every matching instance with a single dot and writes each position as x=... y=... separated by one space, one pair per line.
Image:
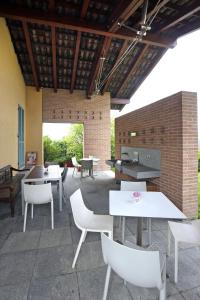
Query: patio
x=37 y=264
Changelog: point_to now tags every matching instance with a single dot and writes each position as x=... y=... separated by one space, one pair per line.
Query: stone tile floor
x=36 y=265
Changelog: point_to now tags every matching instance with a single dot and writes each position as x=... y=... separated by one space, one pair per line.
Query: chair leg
x=31 y=211
x=163 y=292
x=163 y=289
x=73 y=172
x=169 y=242
x=105 y=292
x=149 y=229
x=176 y=262
x=123 y=228
x=52 y=216
x=25 y=216
x=82 y=238
x=63 y=193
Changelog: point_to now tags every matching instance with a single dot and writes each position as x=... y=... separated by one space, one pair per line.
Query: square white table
x=39 y=174
x=150 y=205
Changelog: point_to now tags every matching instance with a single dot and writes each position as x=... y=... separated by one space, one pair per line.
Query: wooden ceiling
x=59 y=44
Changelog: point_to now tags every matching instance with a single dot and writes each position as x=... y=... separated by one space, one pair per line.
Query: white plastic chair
x=75 y=164
x=37 y=194
x=86 y=221
x=142 y=268
x=182 y=232
x=134 y=186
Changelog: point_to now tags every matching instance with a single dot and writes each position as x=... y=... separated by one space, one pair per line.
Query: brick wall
x=171 y=126
x=94 y=114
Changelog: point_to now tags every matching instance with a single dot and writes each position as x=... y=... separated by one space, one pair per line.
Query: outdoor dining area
x=108 y=241
x=120 y=228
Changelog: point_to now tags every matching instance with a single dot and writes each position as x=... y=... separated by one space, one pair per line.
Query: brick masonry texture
x=94 y=114
x=170 y=125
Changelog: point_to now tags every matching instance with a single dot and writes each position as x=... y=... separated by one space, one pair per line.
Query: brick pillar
x=94 y=114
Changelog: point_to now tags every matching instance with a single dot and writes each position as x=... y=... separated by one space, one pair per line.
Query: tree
x=74 y=141
x=112 y=128
x=63 y=150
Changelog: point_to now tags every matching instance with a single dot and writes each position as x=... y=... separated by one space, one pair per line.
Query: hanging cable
x=124 y=55
x=145 y=25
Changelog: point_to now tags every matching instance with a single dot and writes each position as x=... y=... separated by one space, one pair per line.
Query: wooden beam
x=78 y=39
x=156 y=8
x=123 y=11
x=155 y=62
x=119 y=101
x=53 y=43
x=184 y=14
x=84 y=8
x=132 y=68
x=51 y=5
x=122 y=50
x=101 y=53
x=30 y=54
x=50 y=19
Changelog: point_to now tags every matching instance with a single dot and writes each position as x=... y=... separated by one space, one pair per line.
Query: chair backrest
x=87 y=164
x=139 y=267
x=74 y=161
x=64 y=174
x=38 y=193
x=80 y=212
x=133 y=186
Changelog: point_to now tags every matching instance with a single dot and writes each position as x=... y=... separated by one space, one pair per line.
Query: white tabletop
x=95 y=159
x=151 y=205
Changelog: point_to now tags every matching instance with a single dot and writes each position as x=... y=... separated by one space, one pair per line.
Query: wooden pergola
x=60 y=44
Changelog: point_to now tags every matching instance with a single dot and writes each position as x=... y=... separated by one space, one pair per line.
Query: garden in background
x=61 y=151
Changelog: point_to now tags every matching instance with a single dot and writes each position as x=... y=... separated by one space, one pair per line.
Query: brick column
x=94 y=114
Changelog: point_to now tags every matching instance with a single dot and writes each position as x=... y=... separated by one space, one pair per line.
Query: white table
x=150 y=205
x=39 y=174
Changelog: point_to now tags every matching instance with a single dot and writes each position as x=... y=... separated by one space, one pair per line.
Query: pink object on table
x=136 y=194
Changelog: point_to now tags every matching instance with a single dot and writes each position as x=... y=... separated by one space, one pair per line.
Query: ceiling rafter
x=184 y=14
x=122 y=50
x=84 y=8
x=132 y=68
x=30 y=54
x=157 y=8
x=123 y=11
x=101 y=53
x=32 y=16
x=51 y=5
x=132 y=91
x=53 y=42
x=78 y=40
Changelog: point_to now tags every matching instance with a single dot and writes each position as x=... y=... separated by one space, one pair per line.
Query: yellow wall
x=12 y=94
x=34 y=122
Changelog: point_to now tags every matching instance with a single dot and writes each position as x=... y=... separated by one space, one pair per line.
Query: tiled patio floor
x=37 y=264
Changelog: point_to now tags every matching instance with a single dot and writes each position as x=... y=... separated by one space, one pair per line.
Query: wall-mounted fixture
x=132 y=133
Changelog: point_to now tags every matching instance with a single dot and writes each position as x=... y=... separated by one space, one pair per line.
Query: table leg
x=139 y=231
x=22 y=196
x=60 y=194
